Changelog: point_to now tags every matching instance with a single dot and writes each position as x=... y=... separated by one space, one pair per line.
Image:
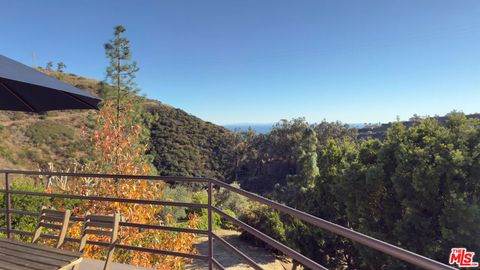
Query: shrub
x=226 y=224
x=48 y=131
x=25 y=203
x=175 y=193
x=4 y=152
x=202 y=213
x=264 y=219
x=231 y=201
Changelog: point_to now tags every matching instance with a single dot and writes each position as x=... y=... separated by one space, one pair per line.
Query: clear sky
x=258 y=61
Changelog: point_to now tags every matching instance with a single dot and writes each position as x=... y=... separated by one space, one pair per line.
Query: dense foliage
x=268 y=160
x=418 y=189
x=187 y=146
x=26 y=203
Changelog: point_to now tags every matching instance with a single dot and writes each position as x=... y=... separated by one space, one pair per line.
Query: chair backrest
x=52 y=219
x=100 y=225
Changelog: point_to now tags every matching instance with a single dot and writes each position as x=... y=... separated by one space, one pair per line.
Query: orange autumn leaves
x=118 y=142
x=118 y=148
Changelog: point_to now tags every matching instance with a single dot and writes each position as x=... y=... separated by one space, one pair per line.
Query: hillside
x=181 y=143
x=32 y=141
x=184 y=145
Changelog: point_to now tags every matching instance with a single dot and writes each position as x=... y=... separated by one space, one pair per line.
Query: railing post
x=210 y=230
x=8 y=207
x=116 y=186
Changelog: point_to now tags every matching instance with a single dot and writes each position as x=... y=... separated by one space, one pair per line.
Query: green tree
x=122 y=69
x=49 y=66
x=61 y=67
x=307 y=159
x=320 y=200
x=306 y=170
x=333 y=131
x=416 y=188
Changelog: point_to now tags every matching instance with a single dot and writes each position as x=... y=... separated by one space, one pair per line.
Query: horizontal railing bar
x=376 y=244
x=124 y=247
x=368 y=241
x=125 y=224
x=217 y=264
x=107 y=199
x=24 y=213
x=237 y=252
x=272 y=242
x=161 y=227
x=33 y=214
x=111 y=176
x=164 y=252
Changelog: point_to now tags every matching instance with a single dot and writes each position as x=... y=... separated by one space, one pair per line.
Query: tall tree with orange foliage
x=122 y=92
x=119 y=147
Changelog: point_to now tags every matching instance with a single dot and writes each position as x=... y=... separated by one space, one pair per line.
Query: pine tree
x=122 y=102
x=122 y=70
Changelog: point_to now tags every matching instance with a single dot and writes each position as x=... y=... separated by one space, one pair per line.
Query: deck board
x=16 y=255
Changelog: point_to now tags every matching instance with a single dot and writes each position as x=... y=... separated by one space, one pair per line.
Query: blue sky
x=258 y=61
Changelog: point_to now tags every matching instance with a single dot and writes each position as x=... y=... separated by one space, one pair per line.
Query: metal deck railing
x=387 y=249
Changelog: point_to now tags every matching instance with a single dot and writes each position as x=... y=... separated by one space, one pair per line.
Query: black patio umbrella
x=23 y=88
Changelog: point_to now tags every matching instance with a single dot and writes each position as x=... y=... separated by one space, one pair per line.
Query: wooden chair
x=52 y=219
x=92 y=225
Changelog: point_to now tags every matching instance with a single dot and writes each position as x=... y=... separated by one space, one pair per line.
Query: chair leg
x=109 y=258
x=114 y=240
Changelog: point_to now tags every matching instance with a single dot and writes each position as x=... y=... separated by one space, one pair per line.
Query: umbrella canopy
x=23 y=88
